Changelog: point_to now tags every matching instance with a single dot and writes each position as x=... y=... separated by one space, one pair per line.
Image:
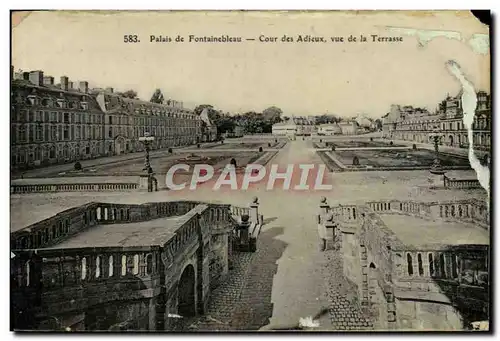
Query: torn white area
x=469 y=104
x=425 y=36
x=308 y=322
x=480 y=43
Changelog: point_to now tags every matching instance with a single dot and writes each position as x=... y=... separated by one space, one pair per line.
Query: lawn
x=398 y=158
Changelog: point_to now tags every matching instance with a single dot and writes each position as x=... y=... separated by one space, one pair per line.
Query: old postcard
x=250 y=171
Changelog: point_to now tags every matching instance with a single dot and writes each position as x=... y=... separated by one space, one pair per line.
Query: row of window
x=89 y=118
x=60 y=103
x=436 y=268
x=54 y=133
x=457 y=125
x=58 y=117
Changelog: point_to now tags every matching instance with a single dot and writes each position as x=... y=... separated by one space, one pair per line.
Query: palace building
x=66 y=122
x=126 y=120
x=53 y=124
x=419 y=125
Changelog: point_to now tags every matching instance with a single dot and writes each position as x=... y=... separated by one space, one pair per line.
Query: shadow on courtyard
x=255 y=307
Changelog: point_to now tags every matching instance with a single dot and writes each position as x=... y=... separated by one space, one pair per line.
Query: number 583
x=130 y=38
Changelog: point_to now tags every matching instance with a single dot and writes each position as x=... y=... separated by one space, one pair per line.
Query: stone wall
x=415 y=315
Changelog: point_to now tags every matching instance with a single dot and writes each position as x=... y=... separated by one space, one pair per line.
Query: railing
x=464 y=211
x=347 y=213
x=239 y=211
x=461 y=183
x=47 y=188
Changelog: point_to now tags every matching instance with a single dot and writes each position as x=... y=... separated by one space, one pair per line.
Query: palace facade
x=419 y=125
x=66 y=122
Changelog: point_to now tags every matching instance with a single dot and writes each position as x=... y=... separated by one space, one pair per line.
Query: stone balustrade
x=240 y=211
x=74 y=267
x=57 y=228
x=84 y=187
x=461 y=183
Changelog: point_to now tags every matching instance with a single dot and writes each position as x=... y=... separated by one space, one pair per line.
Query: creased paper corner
x=469 y=104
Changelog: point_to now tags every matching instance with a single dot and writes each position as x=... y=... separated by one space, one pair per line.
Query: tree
x=129 y=94
x=272 y=114
x=378 y=124
x=157 y=97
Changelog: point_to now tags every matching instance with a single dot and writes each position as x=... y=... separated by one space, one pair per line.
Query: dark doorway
x=186 y=291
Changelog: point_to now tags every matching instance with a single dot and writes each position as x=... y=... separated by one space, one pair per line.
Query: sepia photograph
x=250 y=171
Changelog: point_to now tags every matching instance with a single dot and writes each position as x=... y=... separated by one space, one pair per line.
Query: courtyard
x=162 y=163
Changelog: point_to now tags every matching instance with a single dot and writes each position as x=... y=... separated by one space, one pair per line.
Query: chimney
x=36 y=77
x=71 y=85
x=84 y=87
x=110 y=90
x=64 y=83
x=26 y=76
x=48 y=80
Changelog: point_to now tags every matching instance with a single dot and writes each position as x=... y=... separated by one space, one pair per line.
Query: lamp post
x=436 y=167
x=146 y=140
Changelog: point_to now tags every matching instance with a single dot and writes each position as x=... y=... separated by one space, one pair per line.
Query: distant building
x=329 y=129
x=53 y=123
x=349 y=127
x=284 y=128
x=297 y=125
x=65 y=122
x=419 y=125
x=126 y=120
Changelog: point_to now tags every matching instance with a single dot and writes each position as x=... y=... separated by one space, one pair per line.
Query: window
x=110 y=119
x=454 y=262
x=52 y=152
x=410 y=264
x=66 y=117
x=442 y=265
x=420 y=265
x=110 y=132
x=66 y=132
x=22 y=133
x=39 y=133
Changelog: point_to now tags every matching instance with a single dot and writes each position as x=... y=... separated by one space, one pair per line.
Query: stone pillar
x=243 y=232
x=254 y=210
x=143 y=182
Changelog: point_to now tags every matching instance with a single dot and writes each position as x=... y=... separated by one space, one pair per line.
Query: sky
x=301 y=78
